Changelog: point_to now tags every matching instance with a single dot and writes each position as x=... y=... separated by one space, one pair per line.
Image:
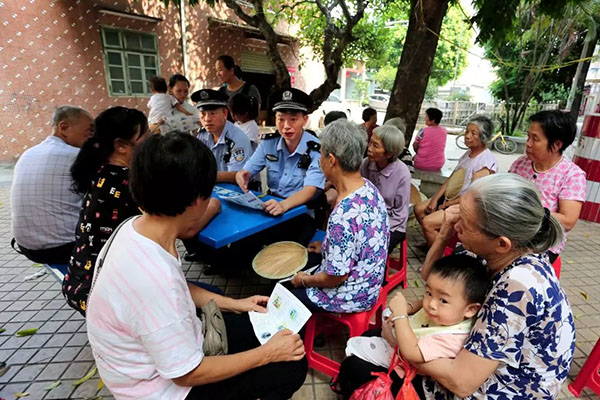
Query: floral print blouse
x=356 y=244
x=527 y=325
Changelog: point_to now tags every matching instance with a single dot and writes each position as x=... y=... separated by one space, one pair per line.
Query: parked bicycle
x=502 y=144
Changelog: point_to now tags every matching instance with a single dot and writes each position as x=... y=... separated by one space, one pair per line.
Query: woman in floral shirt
x=355 y=247
x=522 y=343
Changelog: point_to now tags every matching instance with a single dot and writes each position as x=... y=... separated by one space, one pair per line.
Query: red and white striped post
x=588 y=159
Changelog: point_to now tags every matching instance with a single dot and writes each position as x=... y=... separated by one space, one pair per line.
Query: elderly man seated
x=44 y=209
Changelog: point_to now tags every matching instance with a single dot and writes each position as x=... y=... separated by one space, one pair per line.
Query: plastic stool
x=356 y=322
x=588 y=376
x=392 y=280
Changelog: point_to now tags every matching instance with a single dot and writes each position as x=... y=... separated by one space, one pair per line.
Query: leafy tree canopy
x=450 y=58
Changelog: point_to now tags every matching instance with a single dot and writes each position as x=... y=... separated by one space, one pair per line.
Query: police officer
x=230 y=145
x=291 y=155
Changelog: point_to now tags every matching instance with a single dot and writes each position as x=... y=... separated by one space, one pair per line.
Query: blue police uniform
x=232 y=150
x=288 y=173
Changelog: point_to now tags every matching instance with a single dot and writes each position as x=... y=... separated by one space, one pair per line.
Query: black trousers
x=355 y=372
x=54 y=255
x=275 y=381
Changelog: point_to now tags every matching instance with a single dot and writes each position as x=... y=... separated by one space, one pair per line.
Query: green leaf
x=2 y=330
x=91 y=373
x=27 y=332
x=417 y=284
x=37 y=265
x=52 y=385
x=19 y=395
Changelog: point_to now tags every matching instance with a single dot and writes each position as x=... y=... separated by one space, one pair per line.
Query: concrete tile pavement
x=59 y=350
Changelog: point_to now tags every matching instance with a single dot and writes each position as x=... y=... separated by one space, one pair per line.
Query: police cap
x=289 y=99
x=208 y=99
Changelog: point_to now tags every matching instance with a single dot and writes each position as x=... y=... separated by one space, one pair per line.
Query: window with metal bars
x=130 y=59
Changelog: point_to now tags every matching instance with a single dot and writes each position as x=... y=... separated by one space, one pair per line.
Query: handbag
x=213 y=330
x=381 y=387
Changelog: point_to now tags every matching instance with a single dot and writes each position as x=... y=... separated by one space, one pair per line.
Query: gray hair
x=68 y=113
x=346 y=142
x=392 y=139
x=509 y=205
x=485 y=127
x=398 y=122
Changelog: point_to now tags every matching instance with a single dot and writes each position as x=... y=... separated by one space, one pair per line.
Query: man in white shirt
x=141 y=315
x=44 y=209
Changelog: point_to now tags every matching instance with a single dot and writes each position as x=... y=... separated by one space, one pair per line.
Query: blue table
x=237 y=222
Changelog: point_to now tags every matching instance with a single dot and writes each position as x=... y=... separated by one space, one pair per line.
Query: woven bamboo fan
x=280 y=260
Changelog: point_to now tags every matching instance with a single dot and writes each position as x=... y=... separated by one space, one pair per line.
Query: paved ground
x=59 y=350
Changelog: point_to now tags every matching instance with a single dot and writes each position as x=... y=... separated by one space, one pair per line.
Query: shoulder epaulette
x=313 y=146
x=273 y=135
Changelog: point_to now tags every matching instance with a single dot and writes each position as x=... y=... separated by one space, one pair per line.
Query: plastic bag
x=381 y=387
x=377 y=389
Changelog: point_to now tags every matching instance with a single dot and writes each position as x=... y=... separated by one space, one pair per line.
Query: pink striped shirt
x=141 y=320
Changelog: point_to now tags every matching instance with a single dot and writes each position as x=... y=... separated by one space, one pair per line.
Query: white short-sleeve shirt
x=161 y=106
x=141 y=320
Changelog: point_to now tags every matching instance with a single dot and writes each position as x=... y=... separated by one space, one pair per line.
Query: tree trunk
x=416 y=61
x=580 y=83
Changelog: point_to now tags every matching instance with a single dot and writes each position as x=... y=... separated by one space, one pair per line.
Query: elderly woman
x=560 y=182
x=391 y=176
x=355 y=247
x=522 y=342
x=142 y=326
x=478 y=161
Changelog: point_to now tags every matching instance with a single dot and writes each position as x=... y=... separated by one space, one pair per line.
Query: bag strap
x=395 y=361
x=100 y=258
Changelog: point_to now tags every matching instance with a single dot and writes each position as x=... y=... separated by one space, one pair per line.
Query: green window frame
x=130 y=59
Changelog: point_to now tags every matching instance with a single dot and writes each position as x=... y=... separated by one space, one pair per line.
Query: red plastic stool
x=356 y=322
x=588 y=376
x=557 y=264
x=392 y=280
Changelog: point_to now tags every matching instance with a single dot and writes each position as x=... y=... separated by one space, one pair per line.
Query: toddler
x=244 y=112
x=161 y=104
x=455 y=289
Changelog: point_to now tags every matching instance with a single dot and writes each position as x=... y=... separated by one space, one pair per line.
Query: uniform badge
x=286 y=96
x=238 y=154
x=272 y=157
x=203 y=95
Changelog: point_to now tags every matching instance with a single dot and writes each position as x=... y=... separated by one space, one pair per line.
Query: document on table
x=284 y=311
x=243 y=199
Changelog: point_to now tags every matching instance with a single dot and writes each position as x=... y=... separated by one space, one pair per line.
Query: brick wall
x=51 y=55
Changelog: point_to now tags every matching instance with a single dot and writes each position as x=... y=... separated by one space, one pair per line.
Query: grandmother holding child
x=523 y=338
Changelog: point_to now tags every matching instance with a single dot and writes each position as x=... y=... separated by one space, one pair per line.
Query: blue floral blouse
x=356 y=244
x=526 y=323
